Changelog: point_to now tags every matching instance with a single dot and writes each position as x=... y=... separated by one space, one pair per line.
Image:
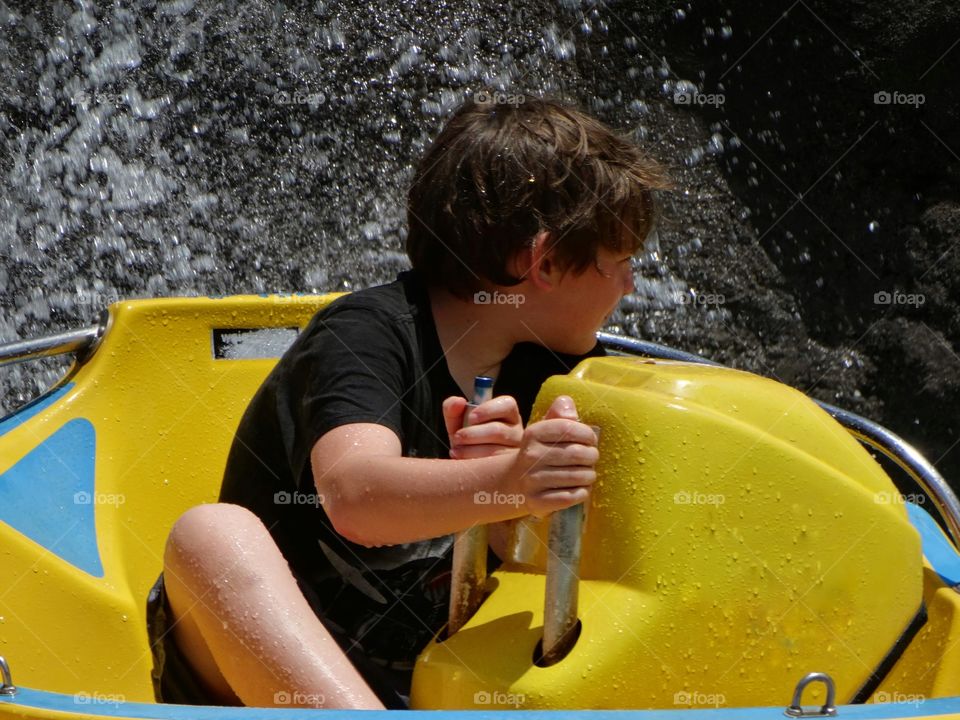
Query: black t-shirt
x=372 y=357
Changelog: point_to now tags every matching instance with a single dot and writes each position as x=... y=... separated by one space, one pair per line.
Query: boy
x=325 y=567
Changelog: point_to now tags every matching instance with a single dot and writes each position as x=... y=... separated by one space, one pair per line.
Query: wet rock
x=849 y=155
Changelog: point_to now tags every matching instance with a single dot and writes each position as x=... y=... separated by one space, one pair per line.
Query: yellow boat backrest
x=93 y=475
x=737 y=538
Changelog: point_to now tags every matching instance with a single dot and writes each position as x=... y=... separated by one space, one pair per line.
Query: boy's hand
x=554 y=468
x=495 y=427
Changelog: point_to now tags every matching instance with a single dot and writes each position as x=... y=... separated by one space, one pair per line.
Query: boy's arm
x=374 y=496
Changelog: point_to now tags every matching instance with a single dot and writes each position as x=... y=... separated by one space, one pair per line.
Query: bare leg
x=243 y=622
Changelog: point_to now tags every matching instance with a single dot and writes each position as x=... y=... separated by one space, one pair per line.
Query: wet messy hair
x=500 y=172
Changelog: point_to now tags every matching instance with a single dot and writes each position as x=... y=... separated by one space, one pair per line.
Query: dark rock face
x=850 y=152
x=193 y=148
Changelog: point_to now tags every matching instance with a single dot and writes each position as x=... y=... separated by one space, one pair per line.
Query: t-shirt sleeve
x=348 y=366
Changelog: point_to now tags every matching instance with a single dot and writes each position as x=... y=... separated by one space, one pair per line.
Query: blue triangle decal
x=49 y=496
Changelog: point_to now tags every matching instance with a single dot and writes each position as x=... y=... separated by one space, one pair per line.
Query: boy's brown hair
x=500 y=172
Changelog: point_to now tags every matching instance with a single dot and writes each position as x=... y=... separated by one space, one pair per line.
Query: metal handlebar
x=909 y=459
x=75 y=341
x=561 y=594
x=468 y=577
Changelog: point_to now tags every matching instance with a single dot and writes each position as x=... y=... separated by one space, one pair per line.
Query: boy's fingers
x=558 y=499
x=563 y=406
x=571 y=456
x=453 y=411
x=471 y=452
x=503 y=408
x=496 y=433
x=569 y=477
x=562 y=431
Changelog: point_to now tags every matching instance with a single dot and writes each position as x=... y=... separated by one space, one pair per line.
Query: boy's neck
x=474 y=340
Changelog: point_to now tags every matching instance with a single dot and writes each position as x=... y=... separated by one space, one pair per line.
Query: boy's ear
x=540 y=265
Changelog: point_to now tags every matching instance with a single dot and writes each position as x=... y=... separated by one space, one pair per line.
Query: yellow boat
x=743 y=554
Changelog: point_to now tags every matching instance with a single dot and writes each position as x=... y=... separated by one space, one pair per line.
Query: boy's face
x=582 y=303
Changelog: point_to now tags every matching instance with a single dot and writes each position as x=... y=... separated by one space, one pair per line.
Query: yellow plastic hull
x=94 y=474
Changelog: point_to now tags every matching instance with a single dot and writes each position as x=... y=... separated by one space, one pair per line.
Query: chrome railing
x=75 y=341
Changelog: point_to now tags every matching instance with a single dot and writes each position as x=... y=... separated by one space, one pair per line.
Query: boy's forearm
x=385 y=500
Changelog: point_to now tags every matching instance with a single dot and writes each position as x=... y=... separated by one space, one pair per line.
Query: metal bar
x=562 y=583
x=8 y=689
x=468 y=581
x=633 y=346
x=74 y=341
x=910 y=460
x=469 y=576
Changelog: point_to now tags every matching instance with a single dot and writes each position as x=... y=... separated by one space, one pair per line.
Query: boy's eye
x=620 y=265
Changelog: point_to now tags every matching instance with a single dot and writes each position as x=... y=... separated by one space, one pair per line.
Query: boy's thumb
x=562 y=407
x=454 y=409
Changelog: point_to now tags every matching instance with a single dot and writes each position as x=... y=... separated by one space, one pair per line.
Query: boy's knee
x=208 y=533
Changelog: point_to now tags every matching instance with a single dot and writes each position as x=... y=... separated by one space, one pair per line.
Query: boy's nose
x=629 y=285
